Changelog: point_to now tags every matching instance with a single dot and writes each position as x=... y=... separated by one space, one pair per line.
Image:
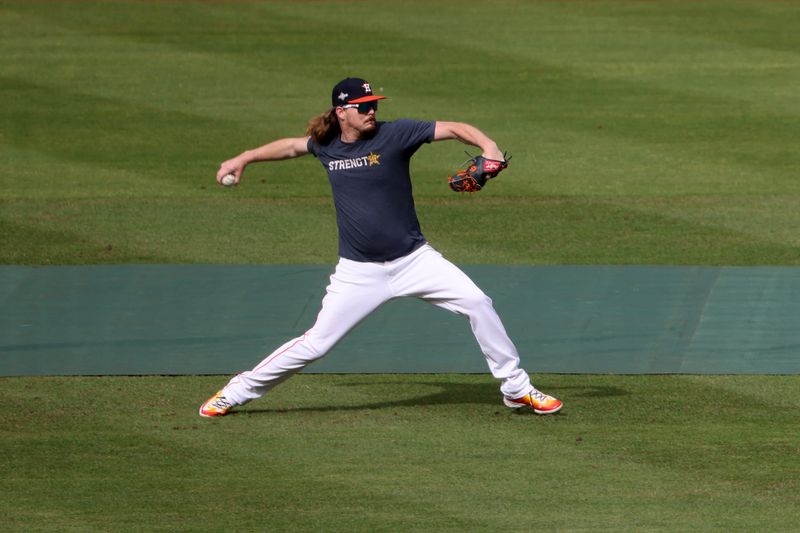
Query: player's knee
x=318 y=346
x=476 y=299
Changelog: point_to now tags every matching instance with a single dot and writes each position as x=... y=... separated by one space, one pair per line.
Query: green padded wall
x=218 y=319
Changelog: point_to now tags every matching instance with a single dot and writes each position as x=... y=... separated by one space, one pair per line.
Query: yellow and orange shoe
x=541 y=403
x=217 y=405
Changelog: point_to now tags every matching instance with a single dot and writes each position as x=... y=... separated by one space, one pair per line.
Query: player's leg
x=431 y=277
x=355 y=290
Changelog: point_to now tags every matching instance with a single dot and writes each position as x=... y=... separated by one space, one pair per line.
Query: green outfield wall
x=221 y=319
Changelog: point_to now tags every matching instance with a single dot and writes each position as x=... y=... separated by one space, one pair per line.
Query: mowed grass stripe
x=762 y=218
x=136 y=231
x=607 y=230
x=104 y=132
x=568 y=230
x=161 y=61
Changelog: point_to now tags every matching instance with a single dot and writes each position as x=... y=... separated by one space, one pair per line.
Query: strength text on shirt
x=344 y=164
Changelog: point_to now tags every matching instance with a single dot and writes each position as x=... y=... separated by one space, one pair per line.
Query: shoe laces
x=221 y=402
x=539 y=395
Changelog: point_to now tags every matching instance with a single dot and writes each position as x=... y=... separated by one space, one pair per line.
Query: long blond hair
x=324 y=127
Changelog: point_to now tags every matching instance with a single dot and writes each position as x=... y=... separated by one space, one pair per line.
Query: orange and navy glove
x=478 y=171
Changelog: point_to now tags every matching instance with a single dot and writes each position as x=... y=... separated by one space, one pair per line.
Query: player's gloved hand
x=478 y=171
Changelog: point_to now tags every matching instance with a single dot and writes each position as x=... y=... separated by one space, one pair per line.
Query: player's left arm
x=468 y=134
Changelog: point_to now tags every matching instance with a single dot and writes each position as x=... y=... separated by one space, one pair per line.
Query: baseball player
x=382 y=251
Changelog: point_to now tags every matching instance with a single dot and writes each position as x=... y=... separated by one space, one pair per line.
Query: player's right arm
x=287 y=148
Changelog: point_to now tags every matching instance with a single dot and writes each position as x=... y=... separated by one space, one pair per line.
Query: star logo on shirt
x=374 y=159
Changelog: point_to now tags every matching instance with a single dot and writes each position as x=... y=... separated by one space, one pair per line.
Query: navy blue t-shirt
x=371 y=188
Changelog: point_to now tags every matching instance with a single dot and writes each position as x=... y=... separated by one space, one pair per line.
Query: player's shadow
x=445 y=393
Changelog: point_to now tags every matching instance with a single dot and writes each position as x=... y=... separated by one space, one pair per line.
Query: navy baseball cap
x=353 y=91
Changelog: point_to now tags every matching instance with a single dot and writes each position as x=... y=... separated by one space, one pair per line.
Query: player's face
x=361 y=117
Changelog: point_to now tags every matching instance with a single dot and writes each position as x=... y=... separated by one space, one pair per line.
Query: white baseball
x=228 y=180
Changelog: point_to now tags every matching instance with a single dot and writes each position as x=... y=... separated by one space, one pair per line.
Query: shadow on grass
x=449 y=393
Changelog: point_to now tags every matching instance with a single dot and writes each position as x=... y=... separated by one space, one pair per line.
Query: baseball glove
x=478 y=171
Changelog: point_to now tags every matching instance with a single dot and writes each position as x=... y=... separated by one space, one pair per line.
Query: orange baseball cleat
x=217 y=405
x=541 y=403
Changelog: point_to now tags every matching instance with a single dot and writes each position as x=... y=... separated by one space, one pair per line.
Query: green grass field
x=641 y=132
x=402 y=453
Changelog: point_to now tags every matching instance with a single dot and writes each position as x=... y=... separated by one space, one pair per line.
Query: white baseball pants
x=357 y=289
